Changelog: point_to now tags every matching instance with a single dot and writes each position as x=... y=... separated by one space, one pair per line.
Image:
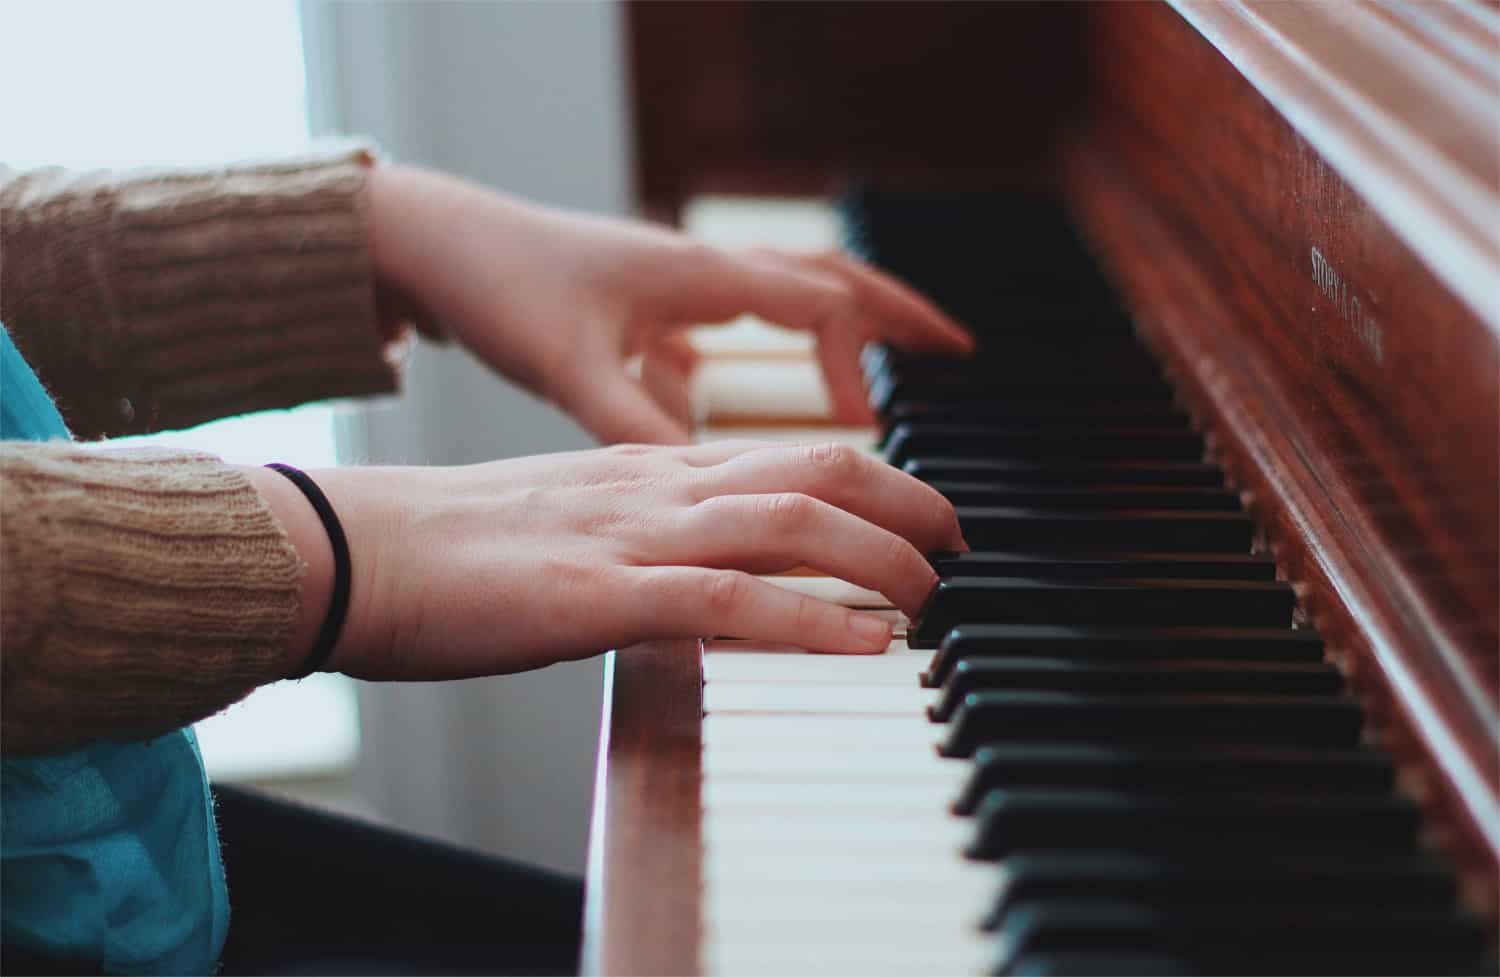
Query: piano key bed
x=1108 y=744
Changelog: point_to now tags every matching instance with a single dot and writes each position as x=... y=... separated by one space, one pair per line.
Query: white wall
x=529 y=97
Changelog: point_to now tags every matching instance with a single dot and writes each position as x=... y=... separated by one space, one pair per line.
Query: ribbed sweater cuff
x=143 y=589
x=149 y=300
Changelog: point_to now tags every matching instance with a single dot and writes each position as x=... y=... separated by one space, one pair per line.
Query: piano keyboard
x=1106 y=745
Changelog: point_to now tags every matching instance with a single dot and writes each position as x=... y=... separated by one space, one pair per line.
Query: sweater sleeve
x=140 y=590
x=161 y=299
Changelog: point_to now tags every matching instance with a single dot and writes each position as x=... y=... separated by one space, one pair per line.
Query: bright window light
x=162 y=82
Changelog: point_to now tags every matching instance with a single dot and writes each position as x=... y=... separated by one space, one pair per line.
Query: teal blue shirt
x=108 y=853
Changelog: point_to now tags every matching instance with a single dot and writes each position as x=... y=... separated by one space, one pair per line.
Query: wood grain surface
x=739 y=96
x=642 y=906
x=1349 y=387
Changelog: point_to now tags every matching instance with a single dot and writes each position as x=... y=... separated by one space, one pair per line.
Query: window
x=171 y=82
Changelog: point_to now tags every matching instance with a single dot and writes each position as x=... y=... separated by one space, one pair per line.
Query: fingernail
x=871 y=631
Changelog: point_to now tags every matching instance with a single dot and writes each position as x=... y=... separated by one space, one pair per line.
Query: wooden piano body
x=1300 y=205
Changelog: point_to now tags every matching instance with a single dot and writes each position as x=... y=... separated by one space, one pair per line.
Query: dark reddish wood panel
x=643 y=886
x=1349 y=390
x=741 y=96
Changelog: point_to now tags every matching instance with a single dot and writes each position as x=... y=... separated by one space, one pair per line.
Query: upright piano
x=1216 y=689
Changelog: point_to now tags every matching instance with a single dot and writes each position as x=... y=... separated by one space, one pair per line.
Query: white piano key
x=898 y=648
x=936 y=953
x=887 y=669
x=736 y=757
x=823 y=797
x=791 y=928
x=966 y=894
x=778 y=731
x=879 y=832
x=816 y=699
x=789 y=869
x=758 y=390
x=828 y=846
x=834 y=767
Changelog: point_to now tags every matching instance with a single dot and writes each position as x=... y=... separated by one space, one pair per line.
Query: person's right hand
x=518 y=564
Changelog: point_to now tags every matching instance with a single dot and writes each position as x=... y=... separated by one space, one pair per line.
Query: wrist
x=367 y=503
x=306 y=533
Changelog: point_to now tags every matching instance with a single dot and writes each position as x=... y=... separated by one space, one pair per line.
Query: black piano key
x=1223 y=880
x=1025 y=315
x=1022 y=820
x=1039 y=417
x=1039 y=379
x=1196 y=718
x=1113 y=643
x=1017 y=600
x=1084 y=566
x=1043 y=386
x=1019 y=357
x=930 y=468
x=1123 y=677
x=1037 y=374
x=914 y=439
x=879 y=359
x=1096 y=964
x=1254 y=940
x=1010 y=495
x=1043 y=529
x=1046 y=412
x=1184 y=768
x=1410 y=962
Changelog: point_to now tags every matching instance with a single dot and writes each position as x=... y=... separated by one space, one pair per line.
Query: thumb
x=616 y=408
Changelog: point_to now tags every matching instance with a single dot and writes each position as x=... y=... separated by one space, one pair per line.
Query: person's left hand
x=561 y=302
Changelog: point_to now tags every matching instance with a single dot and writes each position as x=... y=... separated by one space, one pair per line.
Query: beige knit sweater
x=143 y=589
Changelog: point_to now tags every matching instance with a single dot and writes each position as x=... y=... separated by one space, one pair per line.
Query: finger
x=770 y=533
x=910 y=320
x=717 y=452
x=887 y=308
x=846 y=478
x=668 y=386
x=839 y=346
x=676 y=350
x=616 y=408
x=691 y=601
x=798 y=297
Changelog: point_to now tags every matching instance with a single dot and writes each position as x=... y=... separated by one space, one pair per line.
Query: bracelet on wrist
x=338 y=602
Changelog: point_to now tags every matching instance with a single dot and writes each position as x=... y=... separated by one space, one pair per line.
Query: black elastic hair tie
x=338 y=604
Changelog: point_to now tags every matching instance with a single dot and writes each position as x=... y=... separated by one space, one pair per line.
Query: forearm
x=149 y=300
x=140 y=591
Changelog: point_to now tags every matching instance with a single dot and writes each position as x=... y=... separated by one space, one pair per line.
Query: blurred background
x=525 y=96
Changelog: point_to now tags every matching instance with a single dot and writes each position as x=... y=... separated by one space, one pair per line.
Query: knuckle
x=789 y=510
x=691 y=489
x=724 y=591
x=713 y=509
x=805 y=617
x=833 y=462
x=631 y=450
x=835 y=307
